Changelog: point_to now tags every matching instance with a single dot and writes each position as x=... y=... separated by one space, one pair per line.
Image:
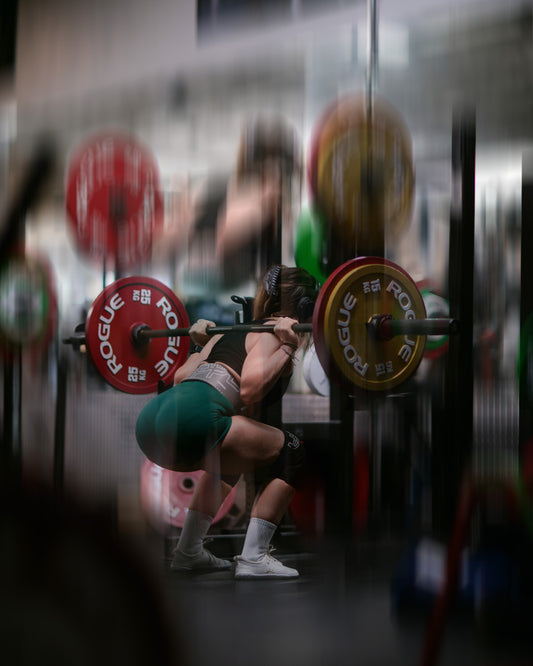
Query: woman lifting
x=206 y=421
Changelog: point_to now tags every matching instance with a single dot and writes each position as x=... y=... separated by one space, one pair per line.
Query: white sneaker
x=266 y=567
x=203 y=561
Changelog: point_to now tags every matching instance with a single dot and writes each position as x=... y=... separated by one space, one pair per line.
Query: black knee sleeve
x=290 y=464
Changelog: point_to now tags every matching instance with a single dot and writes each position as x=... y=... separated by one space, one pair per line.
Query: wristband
x=289 y=344
x=289 y=354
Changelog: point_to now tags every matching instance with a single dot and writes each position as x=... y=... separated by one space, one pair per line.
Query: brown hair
x=266 y=137
x=286 y=292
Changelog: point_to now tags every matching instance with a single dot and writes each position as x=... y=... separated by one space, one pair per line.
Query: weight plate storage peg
x=114 y=205
x=119 y=310
x=352 y=296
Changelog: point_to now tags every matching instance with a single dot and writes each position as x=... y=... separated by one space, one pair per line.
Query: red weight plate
x=308 y=507
x=166 y=495
x=115 y=312
x=113 y=201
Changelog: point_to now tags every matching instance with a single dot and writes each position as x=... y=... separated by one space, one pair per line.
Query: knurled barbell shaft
x=145 y=333
x=383 y=327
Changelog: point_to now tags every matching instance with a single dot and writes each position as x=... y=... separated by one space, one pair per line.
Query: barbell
x=369 y=328
x=382 y=327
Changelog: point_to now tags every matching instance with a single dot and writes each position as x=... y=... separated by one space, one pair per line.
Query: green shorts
x=178 y=427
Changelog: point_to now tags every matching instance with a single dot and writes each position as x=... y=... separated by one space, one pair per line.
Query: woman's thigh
x=248 y=445
x=177 y=427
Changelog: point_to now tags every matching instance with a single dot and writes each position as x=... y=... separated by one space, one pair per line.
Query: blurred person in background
x=227 y=225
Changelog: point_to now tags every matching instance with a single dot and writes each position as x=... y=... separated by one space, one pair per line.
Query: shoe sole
x=244 y=576
x=183 y=570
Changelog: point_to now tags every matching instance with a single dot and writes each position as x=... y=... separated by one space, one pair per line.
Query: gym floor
x=337 y=612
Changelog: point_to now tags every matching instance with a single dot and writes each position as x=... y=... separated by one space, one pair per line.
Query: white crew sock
x=195 y=527
x=257 y=539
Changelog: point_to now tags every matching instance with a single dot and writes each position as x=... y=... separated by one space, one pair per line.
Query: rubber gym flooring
x=338 y=612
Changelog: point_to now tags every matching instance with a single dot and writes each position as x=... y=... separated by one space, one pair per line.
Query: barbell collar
x=384 y=327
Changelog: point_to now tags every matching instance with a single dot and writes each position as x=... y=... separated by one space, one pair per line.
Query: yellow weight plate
x=363 y=173
x=357 y=291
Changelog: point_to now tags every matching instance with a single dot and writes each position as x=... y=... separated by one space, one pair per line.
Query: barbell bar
x=137 y=330
x=382 y=327
x=142 y=334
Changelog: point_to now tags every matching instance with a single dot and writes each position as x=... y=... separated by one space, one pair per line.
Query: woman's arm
x=194 y=360
x=250 y=206
x=269 y=357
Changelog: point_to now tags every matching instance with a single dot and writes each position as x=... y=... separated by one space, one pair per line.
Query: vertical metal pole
x=377 y=458
x=371 y=52
x=12 y=239
x=453 y=423
x=526 y=294
x=379 y=249
x=17 y=441
x=12 y=427
x=59 y=432
x=340 y=489
x=270 y=252
x=7 y=426
x=372 y=236
x=339 y=493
